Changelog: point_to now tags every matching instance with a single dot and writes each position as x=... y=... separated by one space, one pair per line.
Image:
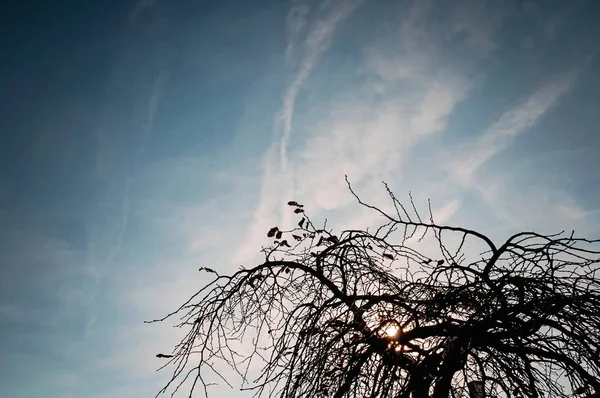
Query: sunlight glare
x=391 y=330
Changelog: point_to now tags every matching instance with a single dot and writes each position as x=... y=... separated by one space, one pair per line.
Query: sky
x=141 y=140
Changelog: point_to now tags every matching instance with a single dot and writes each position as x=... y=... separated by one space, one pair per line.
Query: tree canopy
x=367 y=314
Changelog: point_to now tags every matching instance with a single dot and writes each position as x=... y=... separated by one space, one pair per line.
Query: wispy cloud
x=125 y=128
x=316 y=41
x=310 y=38
x=511 y=124
x=519 y=207
x=296 y=23
x=372 y=131
x=117 y=161
x=362 y=137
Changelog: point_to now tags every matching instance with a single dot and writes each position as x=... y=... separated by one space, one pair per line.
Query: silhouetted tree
x=365 y=314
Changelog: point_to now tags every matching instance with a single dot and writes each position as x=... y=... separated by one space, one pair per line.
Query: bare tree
x=365 y=314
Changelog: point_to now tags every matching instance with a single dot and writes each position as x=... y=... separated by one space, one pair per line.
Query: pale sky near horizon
x=143 y=139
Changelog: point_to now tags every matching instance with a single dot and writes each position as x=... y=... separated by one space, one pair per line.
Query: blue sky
x=141 y=140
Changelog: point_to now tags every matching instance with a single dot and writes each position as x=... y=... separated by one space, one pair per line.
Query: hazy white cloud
x=296 y=22
x=535 y=206
x=366 y=139
x=369 y=141
x=277 y=177
x=315 y=42
x=541 y=208
x=372 y=131
x=512 y=123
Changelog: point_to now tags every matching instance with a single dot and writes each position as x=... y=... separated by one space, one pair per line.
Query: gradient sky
x=141 y=140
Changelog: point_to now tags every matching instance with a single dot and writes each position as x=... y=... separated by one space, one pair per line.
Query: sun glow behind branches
x=391 y=330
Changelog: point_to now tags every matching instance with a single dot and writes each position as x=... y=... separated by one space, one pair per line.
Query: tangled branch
x=359 y=315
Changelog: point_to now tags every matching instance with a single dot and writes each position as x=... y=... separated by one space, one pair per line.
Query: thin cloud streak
x=316 y=42
x=519 y=207
x=277 y=181
x=512 y=123
x=119 y=183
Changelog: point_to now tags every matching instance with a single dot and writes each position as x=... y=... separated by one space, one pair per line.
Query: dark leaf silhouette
x=387 y=255
x=272 y=232
x=164 y=356
x=285 y=243
x=440 y=262
x=279 y=235
x=299 y=210
x=301 y=223
x=333 y=239
x=298 y=238
x=292 y=203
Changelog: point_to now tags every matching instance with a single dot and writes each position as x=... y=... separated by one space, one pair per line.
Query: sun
x=391 y=330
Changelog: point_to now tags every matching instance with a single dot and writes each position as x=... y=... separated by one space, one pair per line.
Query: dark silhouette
x=164 y=356
x=366 y=314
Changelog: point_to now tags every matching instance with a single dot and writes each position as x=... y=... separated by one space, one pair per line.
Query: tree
x=365 y=314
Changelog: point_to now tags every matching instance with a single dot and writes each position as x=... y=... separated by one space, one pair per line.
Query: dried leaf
x=285 y=243
x=164 y=356
x=279 y=235
x=298 y=210
x=440 y=262
x=298 y=238
x=251 y=281
x=292 y=203
x=301 y=223
x=272 y=232
x=333 y=239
